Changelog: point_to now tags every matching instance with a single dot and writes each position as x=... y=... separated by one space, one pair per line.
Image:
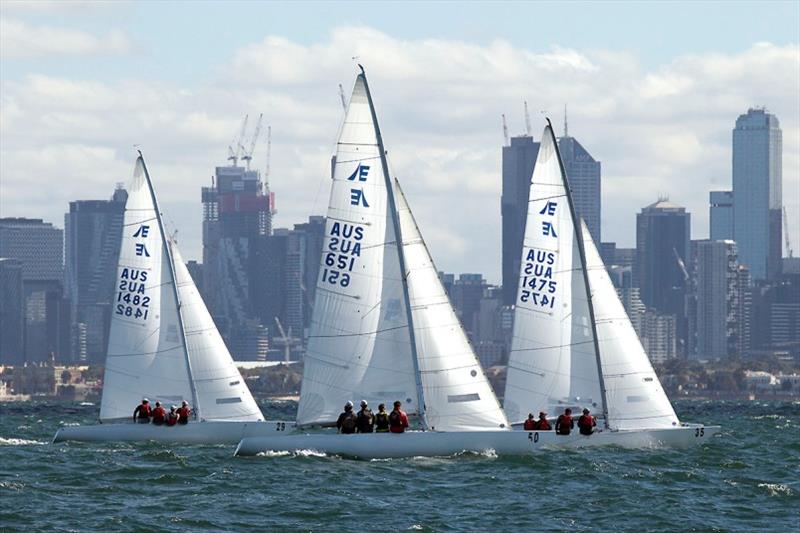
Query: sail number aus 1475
x=538 y=286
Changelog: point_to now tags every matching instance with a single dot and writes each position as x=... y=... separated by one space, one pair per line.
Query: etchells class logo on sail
x=357 y=196
x=131 y=299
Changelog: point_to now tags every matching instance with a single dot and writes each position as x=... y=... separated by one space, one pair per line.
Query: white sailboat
x=383 y=327
x=163 y=344
x=573 y=343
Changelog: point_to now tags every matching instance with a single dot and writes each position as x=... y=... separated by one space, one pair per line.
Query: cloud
x=656 y=130
x=20 y=40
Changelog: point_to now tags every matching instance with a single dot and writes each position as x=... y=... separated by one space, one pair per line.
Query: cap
x=542 y=413
x=348 y=404
x=158 y=403
x=174 y=407
x=585 y=411
x=398 y=402
x=364 y=403
x=184 y=402
x=145 y=400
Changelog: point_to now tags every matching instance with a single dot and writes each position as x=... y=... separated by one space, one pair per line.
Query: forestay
x=221 y=389
x=359 y=346
x=457 y=394
x=553 y=363
x=146 y=355
x=634 y=395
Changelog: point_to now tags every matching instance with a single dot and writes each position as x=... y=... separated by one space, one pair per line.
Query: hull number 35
x=699 y=432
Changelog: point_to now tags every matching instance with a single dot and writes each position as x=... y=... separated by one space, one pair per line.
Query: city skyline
x=659 y=122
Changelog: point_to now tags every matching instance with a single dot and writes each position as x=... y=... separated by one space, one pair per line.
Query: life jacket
x=398 y=422
x=144 y=411
x=365 y=420
x=381 y=422
x=529 y=425
x=159 y=415
x=586 y=424
x=543 y=425
x=183 y=415
x=172 y=419
x=348 y=423
x=564 y=424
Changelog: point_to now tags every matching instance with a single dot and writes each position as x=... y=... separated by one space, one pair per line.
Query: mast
x=167 y=248
x=576 y=223
x=400 y=253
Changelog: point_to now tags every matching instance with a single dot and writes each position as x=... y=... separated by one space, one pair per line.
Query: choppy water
x=747 y=480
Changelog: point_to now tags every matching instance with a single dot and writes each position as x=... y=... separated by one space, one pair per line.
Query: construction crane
x=527 y=120
x=287 y=341
x=505 y=131
x=269 y=154
x=786 y=233
x=681 y=265
x=342 y=98
x=248 y=153
x=233 y=155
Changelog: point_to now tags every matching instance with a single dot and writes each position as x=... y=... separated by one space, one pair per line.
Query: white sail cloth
x=146 y=356
x=457 y=395
x=359 y=347
x=635 y=397
x=221 y=389
x=552 y=363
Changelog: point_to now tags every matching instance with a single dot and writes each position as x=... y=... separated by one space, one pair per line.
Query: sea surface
x=747 y=479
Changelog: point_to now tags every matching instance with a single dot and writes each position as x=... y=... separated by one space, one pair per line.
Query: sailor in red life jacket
x=586 y=423
x=542 y=424
x=172 y=416
x=530 y=423
x=183 y=413
x=564 y=423
x=159 y=415
x=398 y=420
x=142 y=412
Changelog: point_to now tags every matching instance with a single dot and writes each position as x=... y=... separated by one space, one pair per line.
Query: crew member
x=586 y=423
x=183 y=412
x=542 y=424
x=365 y=420
x=172 y=416
x=381 y=420
x=530 y=423
x=347 y=422
x=142 y=412
x=564 y=423
x=398 y=420
x=159 y=415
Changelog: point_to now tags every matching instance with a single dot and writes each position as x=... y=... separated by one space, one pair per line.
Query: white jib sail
x=553 y=362
x=634 y=395
x=221 y=389
x=146 y=356
x=359 y=345
x=457 y=395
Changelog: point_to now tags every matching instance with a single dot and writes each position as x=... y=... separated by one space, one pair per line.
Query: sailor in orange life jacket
x=159 y=415
x=172 y=416
x=564 y=423
x=530 y=423
x=183 y=413
x=142 y=412
x=542 y=424
x=586 y=423
x=398 y=420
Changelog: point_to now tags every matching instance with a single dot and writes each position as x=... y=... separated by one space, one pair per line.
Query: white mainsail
x=634 y=395
x=457 y=395
x=359 y=347
x=221 y=389
x=146 y=355
x=552 y=363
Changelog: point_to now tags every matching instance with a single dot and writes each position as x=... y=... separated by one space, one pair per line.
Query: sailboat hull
x=217 y=432
x=432 y=444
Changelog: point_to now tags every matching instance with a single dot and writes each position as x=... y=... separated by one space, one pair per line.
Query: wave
x=19 y=442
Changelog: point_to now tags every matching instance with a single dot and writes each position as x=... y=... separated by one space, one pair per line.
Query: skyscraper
x=662 y=251
x=717 y=299
x=39 y=247
x=93 y=232
x=237 y=214
x=583 y=174
x=757 y=176
x=720 y=215
x=12 y=313
x=519 y=158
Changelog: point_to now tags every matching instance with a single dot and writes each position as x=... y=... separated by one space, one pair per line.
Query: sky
x=653 y=91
